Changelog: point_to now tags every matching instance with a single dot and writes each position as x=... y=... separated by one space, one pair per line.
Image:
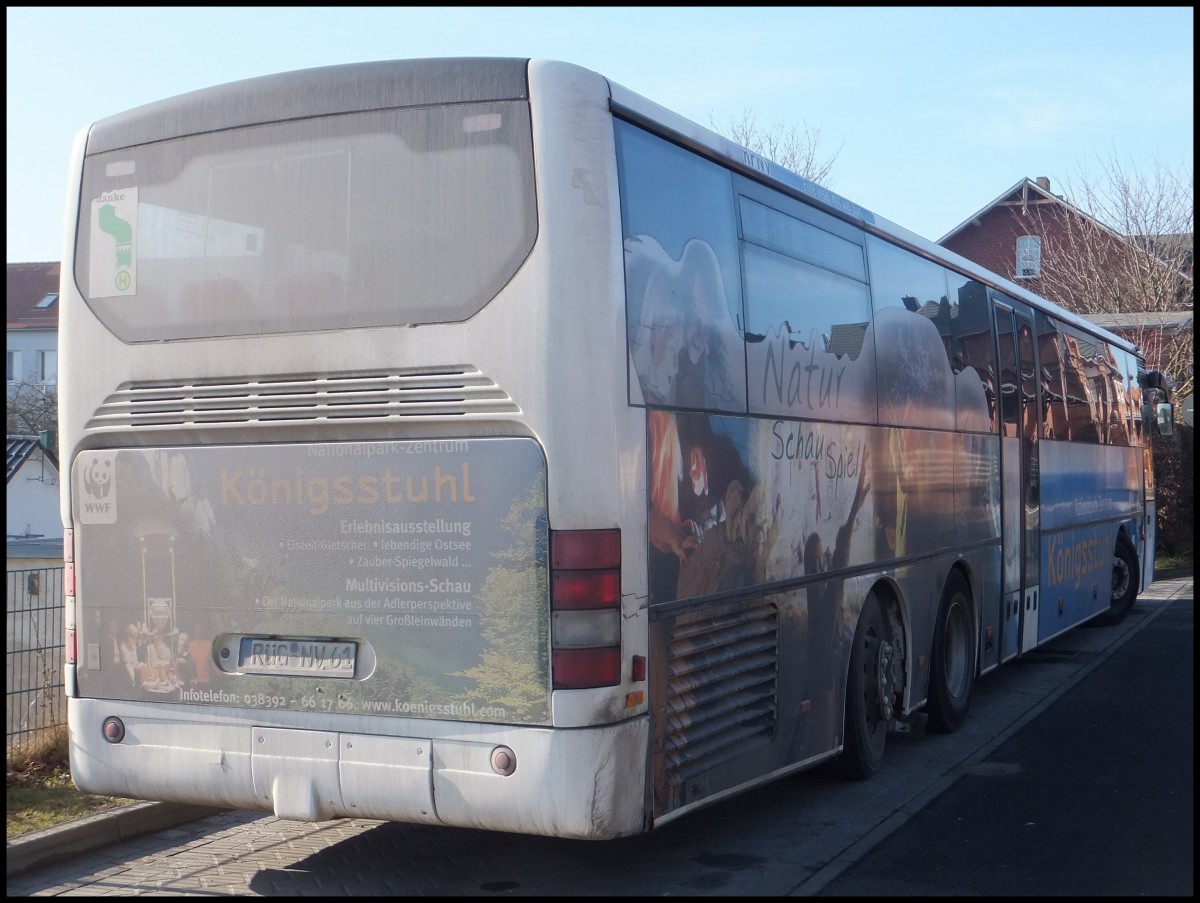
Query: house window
x=13 y=367
x=1029 y=256
x=47 y=367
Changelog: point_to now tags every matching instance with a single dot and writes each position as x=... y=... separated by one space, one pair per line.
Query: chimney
x=1043 y=183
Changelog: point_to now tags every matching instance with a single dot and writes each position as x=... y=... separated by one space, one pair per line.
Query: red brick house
x=1007 y=235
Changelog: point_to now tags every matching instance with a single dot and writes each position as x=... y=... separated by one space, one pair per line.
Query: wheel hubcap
x=1120 y=578
x=883 y=671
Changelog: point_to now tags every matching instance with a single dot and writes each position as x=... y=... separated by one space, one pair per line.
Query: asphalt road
x=1093 y=798
x=1073 y=775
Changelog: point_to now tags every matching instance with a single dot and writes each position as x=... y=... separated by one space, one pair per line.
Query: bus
x=488 y=446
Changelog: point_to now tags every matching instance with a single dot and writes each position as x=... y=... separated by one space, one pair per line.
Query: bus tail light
x=69 y=649
x=585 y=608
x=579 y=669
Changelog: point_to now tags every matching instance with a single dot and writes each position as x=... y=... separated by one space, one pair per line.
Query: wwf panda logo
x=97 y=478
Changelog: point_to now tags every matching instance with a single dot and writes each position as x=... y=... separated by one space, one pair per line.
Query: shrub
x=1174 y=465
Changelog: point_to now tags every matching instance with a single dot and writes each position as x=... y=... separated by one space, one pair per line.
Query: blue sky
x=932 y=113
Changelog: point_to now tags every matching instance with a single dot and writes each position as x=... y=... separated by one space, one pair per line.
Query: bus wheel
x=952 y=668
x=1124 y=584
x=868 y=695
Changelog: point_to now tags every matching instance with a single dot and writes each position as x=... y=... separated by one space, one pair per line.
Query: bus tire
x=952 y=661
x=867 y=712
x=1124 y=584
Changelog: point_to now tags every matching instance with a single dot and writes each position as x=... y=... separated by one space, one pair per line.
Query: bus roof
x=322 y=91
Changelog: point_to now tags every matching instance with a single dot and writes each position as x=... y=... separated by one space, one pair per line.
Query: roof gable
x=19 y=448
x=27 y=288
x=1025 y=192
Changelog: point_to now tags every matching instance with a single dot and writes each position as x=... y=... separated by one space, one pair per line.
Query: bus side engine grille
x=722 y=688
x=410 y=394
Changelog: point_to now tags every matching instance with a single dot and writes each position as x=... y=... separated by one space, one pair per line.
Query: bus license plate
x=302 y=658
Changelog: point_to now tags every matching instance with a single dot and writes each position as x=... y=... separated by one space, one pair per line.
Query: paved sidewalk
x=94 y=832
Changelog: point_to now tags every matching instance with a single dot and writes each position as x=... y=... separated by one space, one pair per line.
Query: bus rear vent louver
x=422 y=394
x=722 y=689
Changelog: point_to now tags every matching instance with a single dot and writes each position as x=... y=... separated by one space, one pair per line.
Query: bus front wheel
x=952 y=669
x=1124 y=584
x=868 y=694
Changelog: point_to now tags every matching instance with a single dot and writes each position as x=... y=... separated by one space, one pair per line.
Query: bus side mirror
x=1165 y=419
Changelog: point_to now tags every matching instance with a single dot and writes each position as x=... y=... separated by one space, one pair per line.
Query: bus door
x=1020 y=478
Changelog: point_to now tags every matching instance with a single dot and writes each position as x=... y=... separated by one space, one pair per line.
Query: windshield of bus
x=381 y=218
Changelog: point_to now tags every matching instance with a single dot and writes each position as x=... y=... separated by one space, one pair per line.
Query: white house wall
x=29 y=342
x=32 y=499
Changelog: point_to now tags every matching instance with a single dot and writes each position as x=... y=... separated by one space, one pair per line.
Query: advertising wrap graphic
x=391 y=578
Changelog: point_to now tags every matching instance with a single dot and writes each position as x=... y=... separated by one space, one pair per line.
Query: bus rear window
x=382 y=218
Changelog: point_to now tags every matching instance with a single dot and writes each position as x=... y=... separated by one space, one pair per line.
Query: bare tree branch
x=792 y=147
x=1130 y=253
x=32 y=407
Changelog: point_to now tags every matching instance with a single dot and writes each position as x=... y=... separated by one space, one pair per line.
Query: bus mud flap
x=387 y=777
x=296 y=772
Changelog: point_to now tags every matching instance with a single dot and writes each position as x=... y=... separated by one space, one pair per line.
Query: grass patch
x=40 y=791
x=1167 y=566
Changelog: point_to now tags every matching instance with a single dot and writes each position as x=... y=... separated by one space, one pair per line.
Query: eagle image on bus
x=474 y=442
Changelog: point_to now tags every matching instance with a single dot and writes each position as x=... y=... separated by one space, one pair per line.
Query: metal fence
x=35 y=696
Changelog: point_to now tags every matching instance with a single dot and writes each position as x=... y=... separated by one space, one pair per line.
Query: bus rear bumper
x=584 y=783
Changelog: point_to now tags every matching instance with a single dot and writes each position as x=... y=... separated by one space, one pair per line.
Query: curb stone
x=93 y=832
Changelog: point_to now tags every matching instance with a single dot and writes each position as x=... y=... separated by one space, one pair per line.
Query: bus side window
x=1030 y=383
x=912 y=323
x=1054 y=395
x=973 y=352
x=1010 y=401
x=1082 y=407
